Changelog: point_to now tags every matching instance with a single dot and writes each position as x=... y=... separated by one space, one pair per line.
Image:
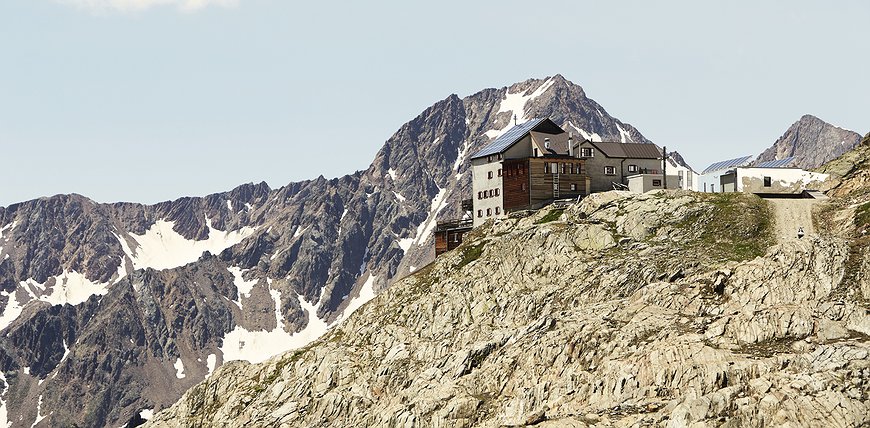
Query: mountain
x=112 y=310
x=599 y=315
x=812 y=142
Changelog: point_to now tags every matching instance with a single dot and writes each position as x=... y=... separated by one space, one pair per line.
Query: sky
x=151 y=100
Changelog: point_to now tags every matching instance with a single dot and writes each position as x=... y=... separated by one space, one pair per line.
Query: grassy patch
x=470 y=254
x=736 y=227
x=862 y=217
x=553 y=215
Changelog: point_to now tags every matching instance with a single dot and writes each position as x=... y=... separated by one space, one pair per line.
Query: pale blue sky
x=188 y=98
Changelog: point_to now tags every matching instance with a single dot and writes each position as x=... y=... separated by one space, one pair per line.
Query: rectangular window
x=499 y=156
x=491 y=193
x=489 y=174
x=546 y=167
x=767 y=182
x=586 y=152
x=564 y=168
x=479 y=213
x=497 y=210
x=609 y=170
x=657 y=183
x=632 y=168
x=489 y=158
x=489 y=212
x=536 y=152
x=499 y=172
x=573 y=187
x=496 y=192
x=479 y=195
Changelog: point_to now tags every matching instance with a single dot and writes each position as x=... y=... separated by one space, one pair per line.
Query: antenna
x=515 y=119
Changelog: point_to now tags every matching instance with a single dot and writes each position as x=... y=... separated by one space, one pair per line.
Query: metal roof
x=776 y=163
x=629 y=150
x=730 y=163
x=508 y=138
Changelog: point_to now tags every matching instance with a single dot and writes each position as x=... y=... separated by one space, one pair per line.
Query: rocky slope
x=669 y=309
x=812 y=141
x=243 y=274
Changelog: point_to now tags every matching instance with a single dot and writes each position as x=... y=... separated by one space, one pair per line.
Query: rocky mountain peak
x=812 y=142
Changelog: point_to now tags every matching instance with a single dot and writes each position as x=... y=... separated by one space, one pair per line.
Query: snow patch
x=460 y=158
x=392 y=173
x=412 y=269
x=73 y=288
x=179 y=368
x=230 y=205
x=146 y=414
x=210 y=363
x=258 y=346
x=4 y=415
x=12 y=311
x=516 y=103
x=299 y=231
x=366 y=293
x=39 y=416
x=161 y=247
x=594 y=137
x=405 y=244
x=249 y=207
x=399 y=197
x=624 y=136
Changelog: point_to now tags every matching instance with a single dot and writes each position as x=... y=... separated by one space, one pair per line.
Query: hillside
x=244 y=274
x=659 y=309
x=812 y=142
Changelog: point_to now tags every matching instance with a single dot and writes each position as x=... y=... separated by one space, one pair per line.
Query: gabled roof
x=776 y=163
x=730 y=163
x=558 y=143
x=629 y=150
x=515 y=134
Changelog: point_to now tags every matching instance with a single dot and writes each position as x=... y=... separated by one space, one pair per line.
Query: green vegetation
x=470 y=253
x=737 y=227
x=553 y=215
x=862 y=217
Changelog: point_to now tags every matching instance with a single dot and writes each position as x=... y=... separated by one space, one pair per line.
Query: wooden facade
x=532 y=182
x=448 y=235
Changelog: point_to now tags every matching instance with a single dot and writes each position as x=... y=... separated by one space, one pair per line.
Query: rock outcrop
x=667 y=309
x=240 y=274
x=812 y=141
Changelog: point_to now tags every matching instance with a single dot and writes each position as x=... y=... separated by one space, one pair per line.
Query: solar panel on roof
x=777 y=163
x=508 y=138
x=730 y=163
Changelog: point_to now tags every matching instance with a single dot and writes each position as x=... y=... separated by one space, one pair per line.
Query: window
x=489 y=174
x=767 y=182
x=657 y=183
x=479 y=213
x=536 y=152
x=489 y=158
x=499 y=172
x=479 y=195
x=564 y=168
x=491 y=193
x=499 y=156
x=488 y=212
x=497 y=210
x=609 y=170
x=573 y=187
x=632 y=168
x=496 y=192
x=546 y=167
x=586 y=152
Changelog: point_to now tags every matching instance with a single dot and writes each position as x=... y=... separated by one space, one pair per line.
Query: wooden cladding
x=531 y=181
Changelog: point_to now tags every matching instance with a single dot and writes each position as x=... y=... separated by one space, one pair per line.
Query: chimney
x=570 y=145
x=665 y=166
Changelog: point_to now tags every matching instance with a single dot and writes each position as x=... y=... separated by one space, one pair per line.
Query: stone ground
x=792 y=214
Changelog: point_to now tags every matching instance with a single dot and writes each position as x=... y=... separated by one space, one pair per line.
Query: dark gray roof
x=629 y=150
x=512 y=136
x=730 y=163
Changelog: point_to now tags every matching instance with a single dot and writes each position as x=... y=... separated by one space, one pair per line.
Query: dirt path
x=790 y=214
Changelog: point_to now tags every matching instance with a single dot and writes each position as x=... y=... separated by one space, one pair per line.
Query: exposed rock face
x=813 y=142
x=669 y=309
x=280 y=262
